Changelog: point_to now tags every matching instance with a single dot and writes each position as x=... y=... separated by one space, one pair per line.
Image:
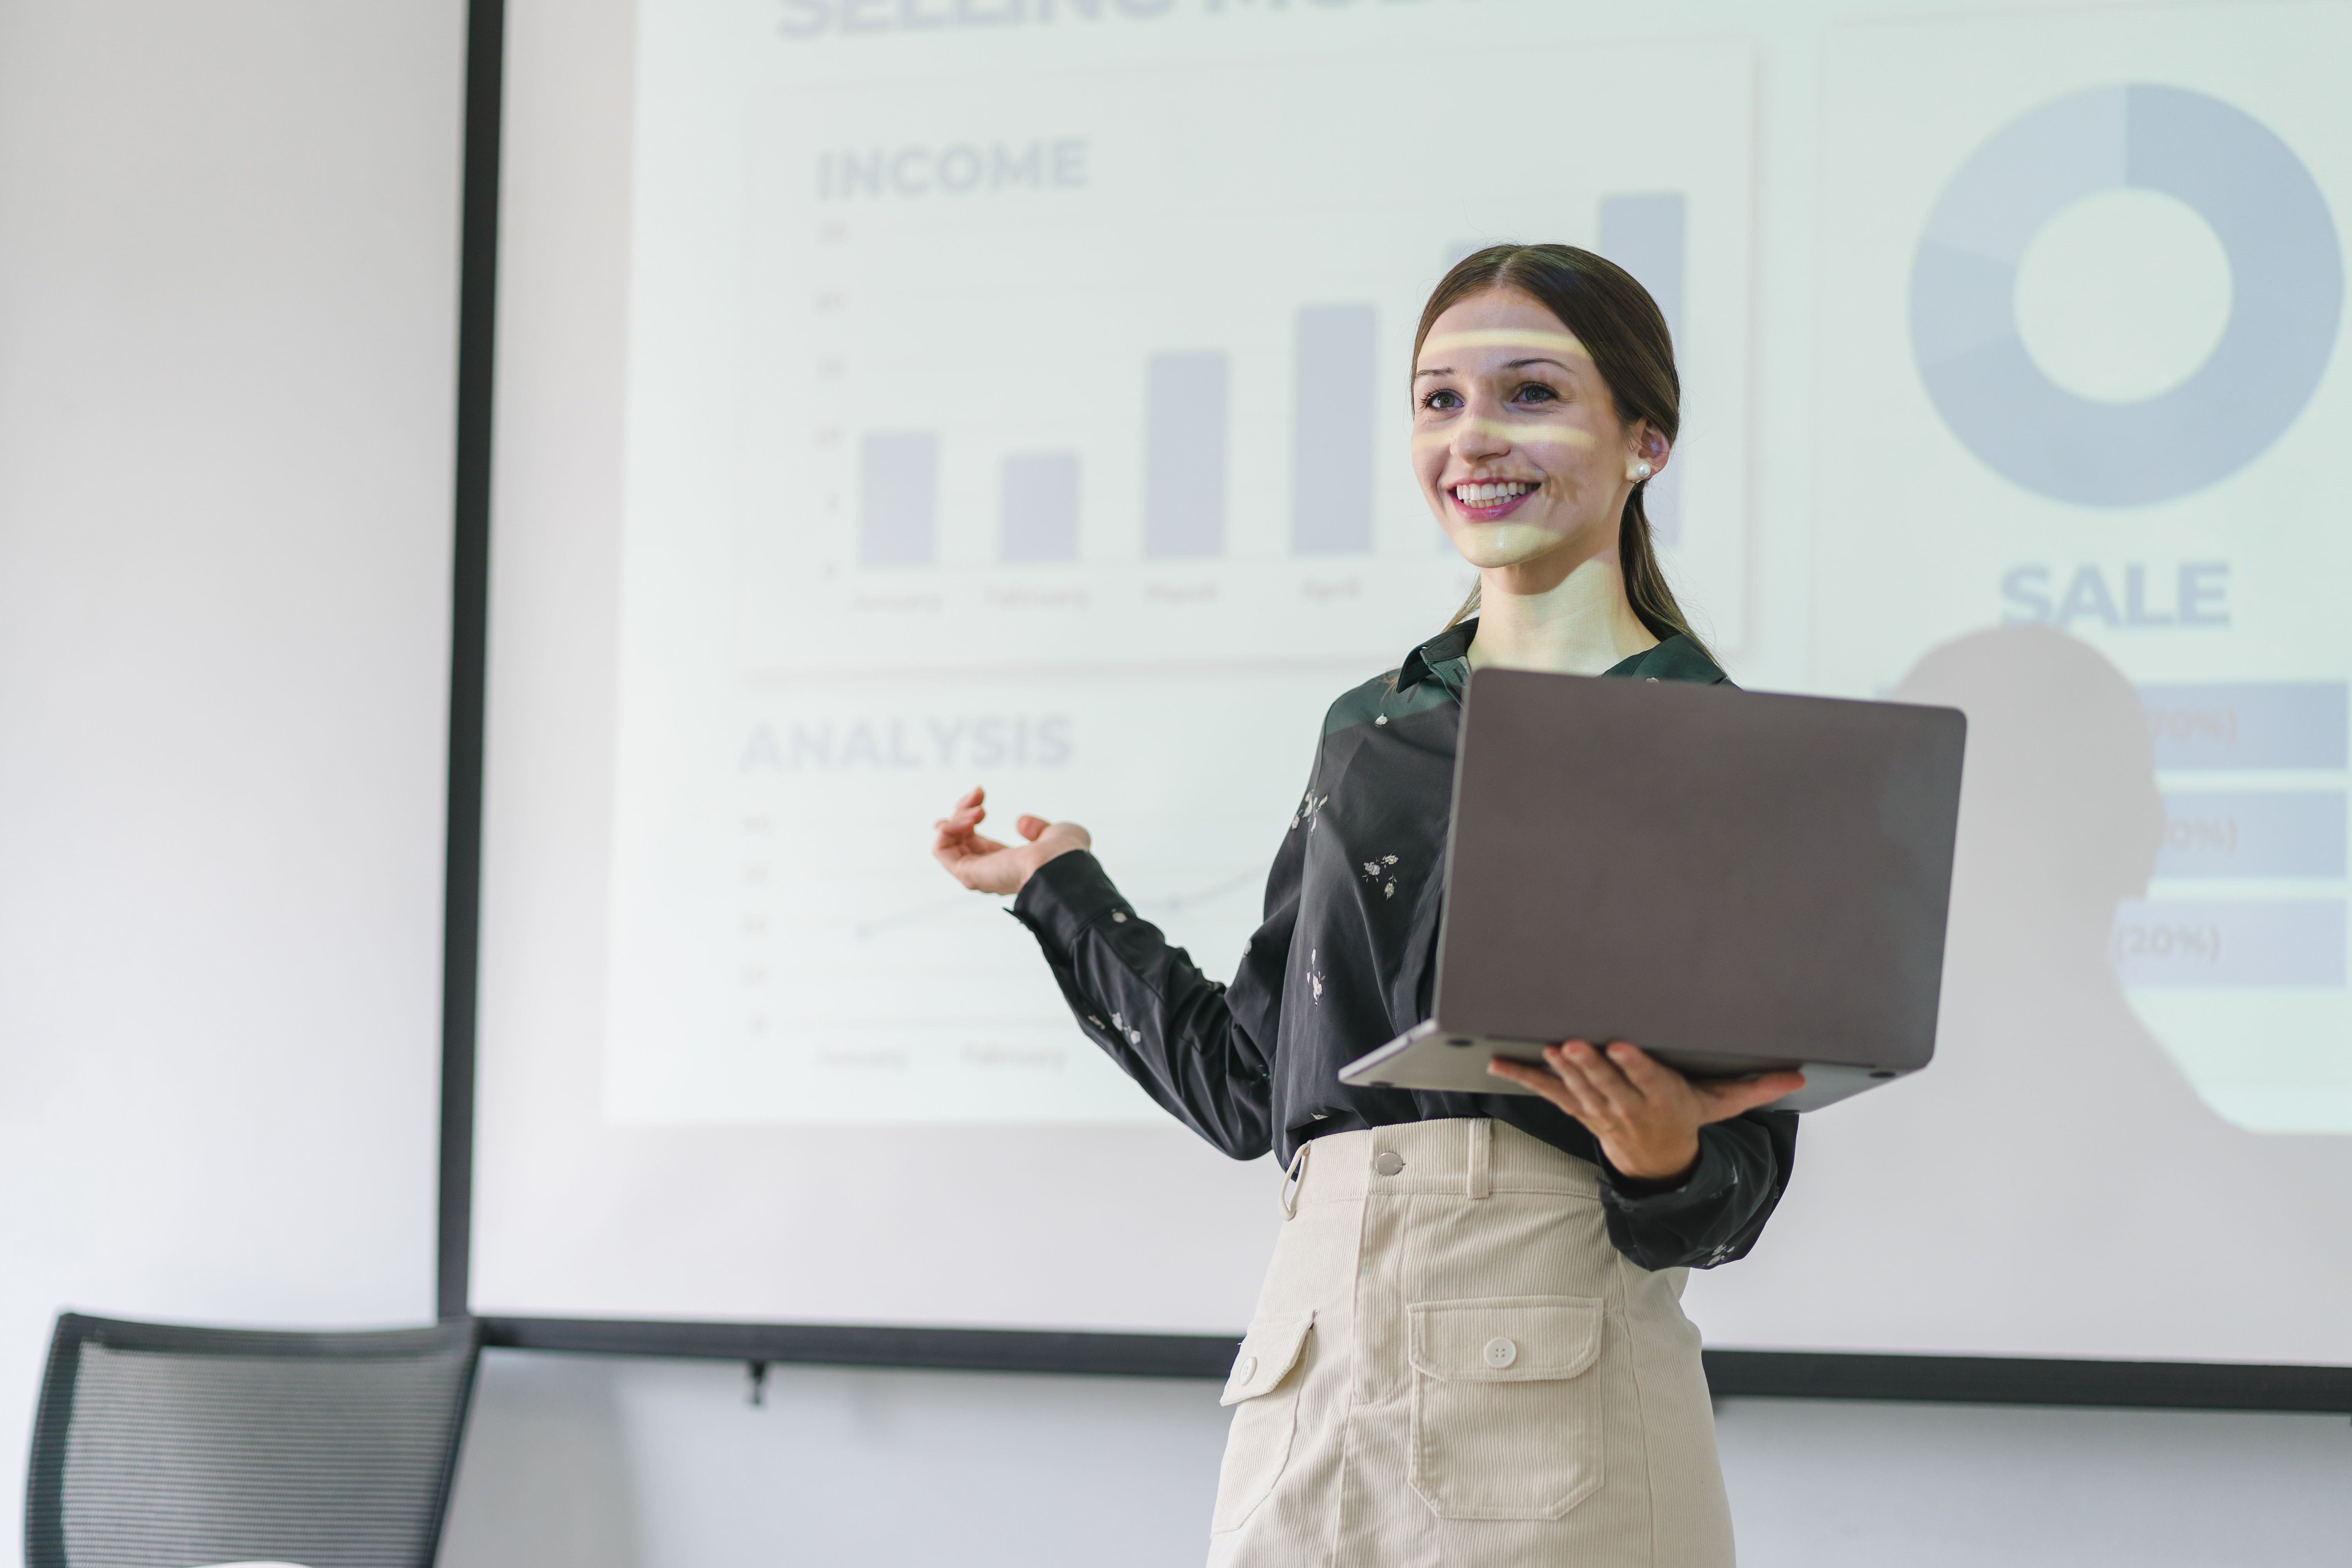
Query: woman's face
x=1516 y=439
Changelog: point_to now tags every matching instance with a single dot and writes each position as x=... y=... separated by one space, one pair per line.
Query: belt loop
x=1293 y=1180
x=1482 y=1157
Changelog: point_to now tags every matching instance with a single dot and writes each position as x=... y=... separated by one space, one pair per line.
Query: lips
x=1484 y=501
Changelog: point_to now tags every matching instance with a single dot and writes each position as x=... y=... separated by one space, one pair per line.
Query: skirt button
x=1388 y=1161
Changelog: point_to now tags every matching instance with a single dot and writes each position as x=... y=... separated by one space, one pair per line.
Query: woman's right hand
x=987 y=866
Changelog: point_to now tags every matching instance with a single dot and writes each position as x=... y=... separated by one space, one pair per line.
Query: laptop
x=1738 y=882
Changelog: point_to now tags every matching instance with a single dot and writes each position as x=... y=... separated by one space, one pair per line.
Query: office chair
x=159 y=1446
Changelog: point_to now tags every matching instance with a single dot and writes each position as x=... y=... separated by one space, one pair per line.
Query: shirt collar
x=1432 y=659
x=1446 y=658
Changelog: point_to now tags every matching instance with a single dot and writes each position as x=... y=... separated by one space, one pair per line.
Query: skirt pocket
x=1266 y=1417
x=1507 y=1410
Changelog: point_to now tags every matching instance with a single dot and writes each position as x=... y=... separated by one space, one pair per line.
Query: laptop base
x=1428 y=1058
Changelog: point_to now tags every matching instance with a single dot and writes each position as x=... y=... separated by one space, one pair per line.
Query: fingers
x=1542 y=1082
x=981 y=864
x=967 y=814
x=972 y=804
x=971 y=810
x=951 y=854
x=954 y=849
x=1601 y=1076
x=1644 y=1071
x=1721 y=1101
x=1567 y=1085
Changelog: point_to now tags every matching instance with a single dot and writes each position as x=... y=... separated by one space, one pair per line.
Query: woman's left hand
x=1645 y=1115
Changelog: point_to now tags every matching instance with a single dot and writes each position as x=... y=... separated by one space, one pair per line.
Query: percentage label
x=2229 y=944
x=2166 y=940
x=2214 y=724
x=2213 y=834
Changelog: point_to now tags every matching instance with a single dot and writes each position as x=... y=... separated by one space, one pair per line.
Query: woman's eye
x=1441 y=399
x=1535 y=392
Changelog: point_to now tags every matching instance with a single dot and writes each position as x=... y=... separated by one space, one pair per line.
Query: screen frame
x=1731 y=1373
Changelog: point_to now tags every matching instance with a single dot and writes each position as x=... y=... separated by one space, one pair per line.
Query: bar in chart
x=1332 y=373
x=2238 y=726
x=898 y=497
x=2253 y=833
x=1037 y=508
x=1644 y=235
x=1184 y=433
x=2265 y=733
x=2174 y=945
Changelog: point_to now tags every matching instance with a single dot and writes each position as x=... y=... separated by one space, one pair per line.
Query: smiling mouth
x=1485 y=499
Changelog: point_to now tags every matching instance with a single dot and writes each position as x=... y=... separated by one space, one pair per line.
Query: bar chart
x=1186 y=408
x=1164 y=403
x=2243 y=933
x=1186 y=404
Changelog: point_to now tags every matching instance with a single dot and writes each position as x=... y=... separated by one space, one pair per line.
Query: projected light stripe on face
x=1527 y=433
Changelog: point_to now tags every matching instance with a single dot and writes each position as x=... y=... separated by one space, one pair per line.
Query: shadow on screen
x=2060 y=820
x=2052 y=1184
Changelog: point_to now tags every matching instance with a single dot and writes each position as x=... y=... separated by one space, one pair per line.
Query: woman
x=1469 y=1348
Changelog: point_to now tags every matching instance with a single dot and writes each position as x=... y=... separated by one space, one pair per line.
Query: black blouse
x=1346 y=961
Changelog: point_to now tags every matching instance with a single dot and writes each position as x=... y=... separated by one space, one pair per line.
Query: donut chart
x=2287 y=295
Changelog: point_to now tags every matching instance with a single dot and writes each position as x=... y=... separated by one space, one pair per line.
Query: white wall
x=228 y=241
x=585 y=1463
x=227 y=244
x=1910 y=1486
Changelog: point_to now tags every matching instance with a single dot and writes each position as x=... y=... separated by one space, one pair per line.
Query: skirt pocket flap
x=1268 y=1351
x=1507 y=1339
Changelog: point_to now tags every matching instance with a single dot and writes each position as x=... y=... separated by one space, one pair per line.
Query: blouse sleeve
x=1204 y=1051
x=1715 y=1214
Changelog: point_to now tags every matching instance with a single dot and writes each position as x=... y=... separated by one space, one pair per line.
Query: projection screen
x=896 y=395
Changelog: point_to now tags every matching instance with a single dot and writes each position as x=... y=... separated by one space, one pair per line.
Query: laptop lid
x=1726 y=878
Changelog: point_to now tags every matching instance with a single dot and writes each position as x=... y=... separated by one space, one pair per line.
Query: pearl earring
x=1639 y=472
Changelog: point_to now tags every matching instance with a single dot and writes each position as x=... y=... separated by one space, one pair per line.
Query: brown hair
x=1625 y=331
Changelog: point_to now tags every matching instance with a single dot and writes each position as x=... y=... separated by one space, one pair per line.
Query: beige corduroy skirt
x=1451 y=1366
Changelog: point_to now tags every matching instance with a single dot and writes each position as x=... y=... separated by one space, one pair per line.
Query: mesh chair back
x=165 y=1447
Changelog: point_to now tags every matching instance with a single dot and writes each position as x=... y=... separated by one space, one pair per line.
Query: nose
x=1481 y=435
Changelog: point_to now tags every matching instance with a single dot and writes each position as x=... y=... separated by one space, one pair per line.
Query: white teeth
x=1488 y=494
